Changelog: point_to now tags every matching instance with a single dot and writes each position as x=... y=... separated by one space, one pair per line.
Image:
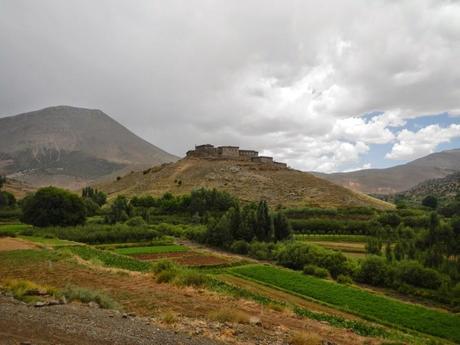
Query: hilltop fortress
x=231 y=152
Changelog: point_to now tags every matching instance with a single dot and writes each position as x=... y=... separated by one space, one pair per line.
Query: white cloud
x=411 y=145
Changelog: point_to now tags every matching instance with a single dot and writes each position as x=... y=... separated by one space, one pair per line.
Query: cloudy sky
x=334 y=85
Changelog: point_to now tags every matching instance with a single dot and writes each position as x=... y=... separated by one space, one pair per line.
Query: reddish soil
x=9 y=243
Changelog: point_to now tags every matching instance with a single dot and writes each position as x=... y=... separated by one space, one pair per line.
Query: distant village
x=231 y=152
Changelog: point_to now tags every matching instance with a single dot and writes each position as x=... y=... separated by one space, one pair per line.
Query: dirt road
x=81 y=324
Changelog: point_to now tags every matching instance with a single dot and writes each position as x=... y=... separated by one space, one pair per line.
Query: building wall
x=262 y=159
x=228 y=151
x=248 y=153
x=280 y=164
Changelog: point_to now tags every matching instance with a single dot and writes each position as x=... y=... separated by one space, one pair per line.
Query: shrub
x=344 y=279
x=163 y=265
x=84 y=295
x=166 y=276
x=229 y=315
x=52 y=206
x=430 y=201
x=7 y=200
x=316 y=271
x=191 y=278
x=413 y=273
x=374 y=270
x=240 y=247
x=136 y=221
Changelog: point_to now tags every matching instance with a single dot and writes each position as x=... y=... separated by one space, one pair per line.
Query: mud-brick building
x=248 y=153
x=280 y=164
x=262 y=159
x=228 y=151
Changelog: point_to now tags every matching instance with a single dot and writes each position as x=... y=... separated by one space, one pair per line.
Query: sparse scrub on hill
x=227 y=314
x=84 y=295
x=169 y=272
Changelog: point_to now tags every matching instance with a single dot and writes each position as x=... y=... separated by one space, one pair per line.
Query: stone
x=40 y=304
x=93 y=304
x=254 y=320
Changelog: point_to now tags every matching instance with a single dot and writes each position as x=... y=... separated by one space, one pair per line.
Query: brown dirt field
x=139 y=293
x=189 y=258
x=10 y=243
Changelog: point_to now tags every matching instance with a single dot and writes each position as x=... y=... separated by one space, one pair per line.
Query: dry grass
x=169 y=317
x=229 y=315
x=304 y=339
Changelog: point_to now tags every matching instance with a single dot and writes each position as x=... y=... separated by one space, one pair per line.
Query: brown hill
x=399 y=178
x=18 y=188
x=70 y=147
x=250 y=181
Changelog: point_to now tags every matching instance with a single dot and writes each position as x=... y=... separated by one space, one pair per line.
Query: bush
x=84 y=295
x=191 y=278
x=136 y=221
x=374 y=270
x=240 y=247
x=296 y=255
x=163 y=265
x=166 y=276
x=315 y=271
x=413 y=273
x=7 y=200
x=344 y=279
x=52 y=206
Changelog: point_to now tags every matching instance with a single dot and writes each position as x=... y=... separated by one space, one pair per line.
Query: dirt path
x=80 y=324
x=10 y=243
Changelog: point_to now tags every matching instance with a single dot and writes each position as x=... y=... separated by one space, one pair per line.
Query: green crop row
x=151 y=249
x=357 y=301
x=110 y=259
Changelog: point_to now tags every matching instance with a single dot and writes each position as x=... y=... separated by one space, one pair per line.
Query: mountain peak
x=64 y=140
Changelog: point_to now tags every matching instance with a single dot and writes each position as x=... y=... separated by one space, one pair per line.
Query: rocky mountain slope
x=443 y=188
x=70 y=147
x=250 y=181
x=399 y=178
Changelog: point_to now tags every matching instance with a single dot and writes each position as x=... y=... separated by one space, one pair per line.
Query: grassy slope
x=358 y=301
x=247 y=180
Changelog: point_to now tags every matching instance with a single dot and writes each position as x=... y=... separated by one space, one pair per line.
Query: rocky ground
x=64 y=324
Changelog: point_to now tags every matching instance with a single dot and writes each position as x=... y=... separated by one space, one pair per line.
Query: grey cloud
x=267 y=74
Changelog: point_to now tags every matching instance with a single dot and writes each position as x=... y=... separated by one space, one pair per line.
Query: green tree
x=2 y=181
x=98 y=197
x=120 y=210
x=7 y=200
x=264 y=222
x=374 y=246
x=430 y=201
x=281 y=226
x=388 y=251
x=52 y=206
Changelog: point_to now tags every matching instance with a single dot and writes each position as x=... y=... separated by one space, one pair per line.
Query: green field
x=53 y=242
x=109 y=259
x=151 y=249
x=13 y=228
x=357 y=301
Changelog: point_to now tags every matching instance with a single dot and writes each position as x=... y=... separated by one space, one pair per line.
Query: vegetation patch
x=151 y=249
x=110 y=259
x=357 y=301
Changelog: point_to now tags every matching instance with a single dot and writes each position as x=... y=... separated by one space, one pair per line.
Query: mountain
x=248 y=180
x=401 y=177
x=71 y=147
x=442 y=188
